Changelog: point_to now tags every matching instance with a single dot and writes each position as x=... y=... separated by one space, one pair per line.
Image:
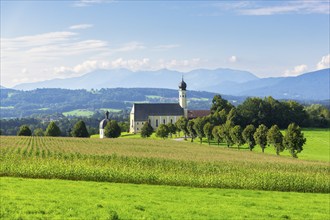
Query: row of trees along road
x=225 y=124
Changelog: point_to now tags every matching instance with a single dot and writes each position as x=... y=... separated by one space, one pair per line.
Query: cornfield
x=157 y=162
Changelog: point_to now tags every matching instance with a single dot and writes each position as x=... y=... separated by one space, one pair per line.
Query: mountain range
x=308 y=86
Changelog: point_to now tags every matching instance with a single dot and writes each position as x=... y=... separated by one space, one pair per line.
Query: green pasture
x=79 y=113
x=317 y=145
x=60 y=199
x=114 y=110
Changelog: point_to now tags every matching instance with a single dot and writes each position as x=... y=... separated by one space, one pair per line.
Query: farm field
x=93 y=200
x=158 y=162
x=79 y=113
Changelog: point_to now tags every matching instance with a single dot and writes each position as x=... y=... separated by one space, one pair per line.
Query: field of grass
x=317 y=146
x=79 y=113
x=158 y=162
x=111 y=110
x=59 y=199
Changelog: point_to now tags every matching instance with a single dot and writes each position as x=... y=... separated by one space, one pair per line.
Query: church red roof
x=198 y=113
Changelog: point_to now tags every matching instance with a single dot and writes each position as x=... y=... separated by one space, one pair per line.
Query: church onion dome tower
x=183 y=97
x=182 y=85
x=103 y=123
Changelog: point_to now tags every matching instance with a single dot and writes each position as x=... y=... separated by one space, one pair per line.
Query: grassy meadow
x=63 y=199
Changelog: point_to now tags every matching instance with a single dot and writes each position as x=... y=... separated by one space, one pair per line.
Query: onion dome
x=104 y=122
x=182 y=85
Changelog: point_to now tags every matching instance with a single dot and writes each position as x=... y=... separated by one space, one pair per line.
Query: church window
x=171 y=121
x=149 y=121
x=142 y=123
x=156 y=122
x=137 y=129
x=163 y=121
x=137 y=123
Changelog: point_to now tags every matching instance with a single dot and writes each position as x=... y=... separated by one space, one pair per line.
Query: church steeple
x=183 y=96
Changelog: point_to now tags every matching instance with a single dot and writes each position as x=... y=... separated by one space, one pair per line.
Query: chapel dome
x=103 y=123
x=182 y=85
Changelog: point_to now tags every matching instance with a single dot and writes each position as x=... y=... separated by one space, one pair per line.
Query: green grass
x=159 y=162
x=59 y=199
x=317 y=146
x=114 y=110
x=79 y=113
x=153 y=97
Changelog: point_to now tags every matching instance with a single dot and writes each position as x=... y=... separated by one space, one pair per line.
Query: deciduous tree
x=191 y=131
x=146 y=130
x=260 y=136
x=199 y=128
x=162 y=131
x=275 y=138
x=294 y=139
x=181 y=124
x=236 y=135
x=248 y=136
x=208 y=131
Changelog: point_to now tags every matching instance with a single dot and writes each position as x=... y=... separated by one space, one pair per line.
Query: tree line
x=250 y=123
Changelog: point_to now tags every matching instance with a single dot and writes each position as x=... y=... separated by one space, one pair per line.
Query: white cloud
x=232 y=59
x=276 y=7
x=85 y=3
x=324 y=62
x=130 y=47
x=297 y=70
x=80 y=26
x=131 y=64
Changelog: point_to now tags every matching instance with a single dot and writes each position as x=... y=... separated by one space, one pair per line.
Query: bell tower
x=183 y=97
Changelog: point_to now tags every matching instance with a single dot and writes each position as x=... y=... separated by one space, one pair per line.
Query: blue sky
x=59 y=39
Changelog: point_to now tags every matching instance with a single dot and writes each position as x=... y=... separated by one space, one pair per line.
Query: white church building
x=159 y=113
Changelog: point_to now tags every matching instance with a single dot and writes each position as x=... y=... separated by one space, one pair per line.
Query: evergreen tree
x=146 y=130
x=260 y=136
x=294 y=139
x=236 y=135
x=38 y=132
x=162 y=131
x=53 y=130
x=80 y=130
x=275 y=138
x=24 y=130
x=208 y=131
x=248 y=136
x=112 y=129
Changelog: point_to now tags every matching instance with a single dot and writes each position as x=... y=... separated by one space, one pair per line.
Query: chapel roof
x=143 y=110
x=198 y=113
